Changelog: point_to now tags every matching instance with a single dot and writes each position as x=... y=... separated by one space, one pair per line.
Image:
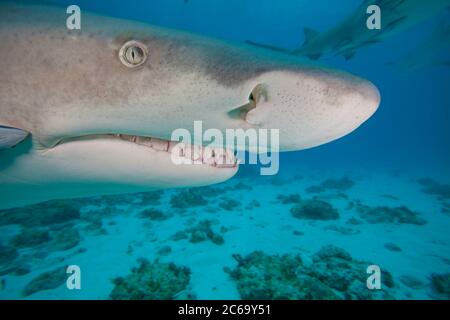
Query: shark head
x=310 y=106
x=101 y=103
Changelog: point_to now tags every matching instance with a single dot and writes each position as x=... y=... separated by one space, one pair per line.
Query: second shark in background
x=352 y=34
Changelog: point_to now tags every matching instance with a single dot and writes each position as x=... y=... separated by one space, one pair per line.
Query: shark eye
x=133 y=54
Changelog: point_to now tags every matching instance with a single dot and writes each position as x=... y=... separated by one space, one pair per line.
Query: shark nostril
x=259 y=92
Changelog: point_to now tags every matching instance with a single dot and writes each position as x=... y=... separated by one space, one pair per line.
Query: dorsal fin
x=9 y=137
x=309 y=34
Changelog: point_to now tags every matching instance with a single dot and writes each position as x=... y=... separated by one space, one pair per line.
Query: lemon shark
x=91 y=111
x=352 y=33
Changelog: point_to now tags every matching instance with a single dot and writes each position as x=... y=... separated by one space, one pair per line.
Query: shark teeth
x=215 y=157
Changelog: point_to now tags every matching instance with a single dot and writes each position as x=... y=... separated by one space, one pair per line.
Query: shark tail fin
x=9 y=137
x=309 y=35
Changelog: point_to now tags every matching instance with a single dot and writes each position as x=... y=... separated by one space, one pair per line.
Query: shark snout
x=310 y=108
x=368 y=97
x=357 y=101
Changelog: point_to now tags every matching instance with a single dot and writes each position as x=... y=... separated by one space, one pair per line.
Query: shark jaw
x=100 y=165
x=186 y=153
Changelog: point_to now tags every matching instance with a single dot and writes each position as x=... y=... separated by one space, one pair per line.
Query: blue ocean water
x=388 y=181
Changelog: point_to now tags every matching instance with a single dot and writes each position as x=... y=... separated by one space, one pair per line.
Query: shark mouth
x=181 y=153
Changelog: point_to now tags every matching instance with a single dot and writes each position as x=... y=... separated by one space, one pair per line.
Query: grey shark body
x=352 y=33
x=85 y=123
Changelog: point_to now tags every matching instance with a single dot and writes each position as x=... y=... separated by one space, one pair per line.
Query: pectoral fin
x=9 y=137
x=309 y=35
x=349 y=55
